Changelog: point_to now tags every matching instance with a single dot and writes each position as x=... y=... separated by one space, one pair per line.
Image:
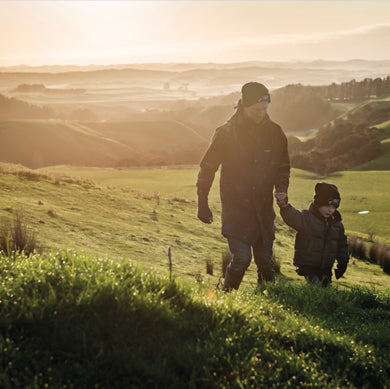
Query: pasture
x=97 y=308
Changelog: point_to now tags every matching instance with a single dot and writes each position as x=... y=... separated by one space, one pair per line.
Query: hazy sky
x=108 y=32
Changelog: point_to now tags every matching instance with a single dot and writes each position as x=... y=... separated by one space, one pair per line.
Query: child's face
x=327 y=210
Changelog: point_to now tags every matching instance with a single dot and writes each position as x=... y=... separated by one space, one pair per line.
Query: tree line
x=351 y=90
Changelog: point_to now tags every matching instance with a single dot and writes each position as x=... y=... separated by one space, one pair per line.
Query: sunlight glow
x=103 y=32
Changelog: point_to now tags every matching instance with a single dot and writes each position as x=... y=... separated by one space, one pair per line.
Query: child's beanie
x=325 y=192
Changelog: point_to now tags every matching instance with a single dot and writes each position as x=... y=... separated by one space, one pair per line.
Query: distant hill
x=40 y=88
x=358 y=139
x=381 y=162
x=38 y=143
x=160 y=142
x=11 y=108
x=106 y=75
x=369 y=113
x=297 y=110
x=230 y=76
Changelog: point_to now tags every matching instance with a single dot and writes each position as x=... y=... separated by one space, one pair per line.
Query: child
x=320 y=239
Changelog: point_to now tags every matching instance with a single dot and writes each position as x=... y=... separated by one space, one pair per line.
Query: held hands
x=204 y=212
x=281 y=199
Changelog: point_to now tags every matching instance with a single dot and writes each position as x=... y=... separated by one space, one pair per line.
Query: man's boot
x=232 y=281
x=268 y=276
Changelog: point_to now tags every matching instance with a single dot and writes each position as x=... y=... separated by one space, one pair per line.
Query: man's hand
x=281 y=199
x=340 y=270
x=204 y=212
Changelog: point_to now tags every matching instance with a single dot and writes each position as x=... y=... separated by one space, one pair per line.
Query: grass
x=360 y=190
x=111 y=221
x=96 y=308
x=120 y=221
x=15 y=235
x=77 y=321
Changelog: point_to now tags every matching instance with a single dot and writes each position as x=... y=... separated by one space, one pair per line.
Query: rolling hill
x=102 y=128
x=37 y=143
x=357 y=140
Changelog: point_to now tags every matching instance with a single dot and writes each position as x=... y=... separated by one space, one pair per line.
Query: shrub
x=386 y=262
x=16 y=235
x=377 y=252
x=357 y=247
x=380 y=254
x=209 y=266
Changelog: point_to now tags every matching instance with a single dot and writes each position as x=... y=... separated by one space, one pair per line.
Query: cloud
x=378 y=30
x=366 y=42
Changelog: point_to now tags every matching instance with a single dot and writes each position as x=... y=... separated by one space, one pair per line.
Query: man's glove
x=340 y=270
x=204 y=212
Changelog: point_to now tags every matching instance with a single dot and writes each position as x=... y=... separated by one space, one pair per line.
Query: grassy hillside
x=376 y=114
x=359 y=190
x=383 y=161
x=137 y=214
x=37 y=143
x=97 y=308
x=356 y=140
x=76 y=321
x=156 y=142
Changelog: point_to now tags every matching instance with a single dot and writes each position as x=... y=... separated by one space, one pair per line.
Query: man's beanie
x=325 y=192
x=254 y=92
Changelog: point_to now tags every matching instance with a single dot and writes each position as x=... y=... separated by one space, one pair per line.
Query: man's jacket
x=254 y=160
x=319 y=241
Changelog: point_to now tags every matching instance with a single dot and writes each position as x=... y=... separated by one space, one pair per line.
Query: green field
x=137 y=214
x=360 y=191
x=96 y=309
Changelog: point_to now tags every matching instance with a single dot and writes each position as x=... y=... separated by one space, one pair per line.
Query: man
x=252 y=152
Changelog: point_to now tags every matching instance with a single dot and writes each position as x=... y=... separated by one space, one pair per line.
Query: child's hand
x=281 y=199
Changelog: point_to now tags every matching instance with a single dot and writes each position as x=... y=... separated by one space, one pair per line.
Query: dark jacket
x=254 y=159
x=319 y=241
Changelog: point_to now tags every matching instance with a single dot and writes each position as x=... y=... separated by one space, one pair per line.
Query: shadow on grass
x=85 y=323
x=362 y=314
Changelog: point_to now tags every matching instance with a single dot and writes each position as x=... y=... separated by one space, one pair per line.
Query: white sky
x=108 y=32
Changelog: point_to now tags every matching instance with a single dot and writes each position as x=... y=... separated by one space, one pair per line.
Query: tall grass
x=73 y=320
x=357 y=247
x=17 y=235
x=209 y=266
x=226 y=259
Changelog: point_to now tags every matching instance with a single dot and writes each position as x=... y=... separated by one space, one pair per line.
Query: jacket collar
x=333 y=219
x=241 y=121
